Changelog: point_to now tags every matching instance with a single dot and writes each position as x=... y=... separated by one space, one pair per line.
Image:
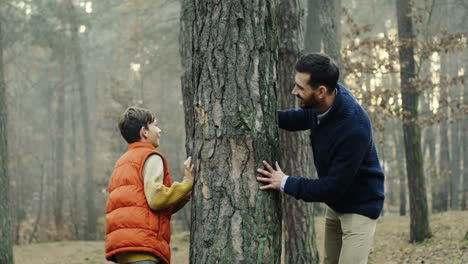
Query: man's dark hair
x=132 y=120
x=322 y=70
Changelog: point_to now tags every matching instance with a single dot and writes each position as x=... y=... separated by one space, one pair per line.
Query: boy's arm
x=158 y=196
x=182 y=203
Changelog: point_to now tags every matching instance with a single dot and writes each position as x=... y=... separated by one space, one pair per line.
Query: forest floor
x=391 y=244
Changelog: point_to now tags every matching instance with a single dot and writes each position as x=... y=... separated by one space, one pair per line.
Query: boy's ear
x=143 y=133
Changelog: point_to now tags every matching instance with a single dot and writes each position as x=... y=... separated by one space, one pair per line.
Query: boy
x=141 y=197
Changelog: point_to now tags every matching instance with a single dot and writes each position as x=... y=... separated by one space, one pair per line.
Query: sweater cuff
x=283 y=182
x=290 y=187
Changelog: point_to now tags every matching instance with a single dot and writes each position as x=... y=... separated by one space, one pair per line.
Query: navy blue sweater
x=350 y=179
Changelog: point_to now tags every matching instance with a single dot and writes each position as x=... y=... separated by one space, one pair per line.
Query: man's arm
x=295 y=120
x=158 y=196
x=327 y=189
x=341 y=174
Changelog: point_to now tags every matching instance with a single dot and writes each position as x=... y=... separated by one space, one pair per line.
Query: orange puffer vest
x=130 y=224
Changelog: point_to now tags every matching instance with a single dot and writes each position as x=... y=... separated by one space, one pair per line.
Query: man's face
x=308 y=97
x=153 y=133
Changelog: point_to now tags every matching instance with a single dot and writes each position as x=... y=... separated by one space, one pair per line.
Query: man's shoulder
x=353 y=110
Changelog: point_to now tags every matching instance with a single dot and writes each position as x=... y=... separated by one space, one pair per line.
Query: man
x=350 y=179
x=141 y=197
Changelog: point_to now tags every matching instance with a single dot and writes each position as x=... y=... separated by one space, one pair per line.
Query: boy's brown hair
x=132 y=120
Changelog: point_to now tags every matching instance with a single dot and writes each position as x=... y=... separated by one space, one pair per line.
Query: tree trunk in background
x=91 y=221
x=32 y=236
x=419 y=227
x=313 y=35
x=296 y=154
x=75 y=213
x=313 y=43
x=432 y=170
x=443 y=178
x=455 y=167
x=465 y=164
x=231 y=84
x=338 y=7
x=464 y=139
x=430 y=144
x=329 y=24
x=6 y=252
x=401 y=172
x=60 y=149
x=455 y=140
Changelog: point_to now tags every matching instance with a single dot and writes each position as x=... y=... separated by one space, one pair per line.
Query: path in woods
x=391 y=245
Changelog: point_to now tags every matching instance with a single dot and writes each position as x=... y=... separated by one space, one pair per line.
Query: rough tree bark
x=229 y=52
x=419 y=220
x=6 y=252
x=296 y=154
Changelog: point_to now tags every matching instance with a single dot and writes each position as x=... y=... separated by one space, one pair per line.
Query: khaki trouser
x=348 y=238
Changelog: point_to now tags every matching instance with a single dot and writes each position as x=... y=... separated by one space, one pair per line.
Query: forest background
x=70 y=68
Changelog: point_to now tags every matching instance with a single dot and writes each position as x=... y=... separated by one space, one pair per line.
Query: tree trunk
x=313 y=35
x=91 y=220
x=465 y=165
x=229 y=52
x=432 y=170
x=296 y=154
x=419 y=228
x=455 y=141
x=443 y=178
x=6 y=252
x=401 y=172
x=329 y=24
x=464 y=139
x=455 y=167
x=75 y=200
x=39 y=210
x=313 y=43
x=60 y=149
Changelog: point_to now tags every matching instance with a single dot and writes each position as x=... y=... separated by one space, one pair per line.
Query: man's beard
x=311 y=102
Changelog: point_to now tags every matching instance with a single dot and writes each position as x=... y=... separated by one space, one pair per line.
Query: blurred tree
x=455 y=128
x=91 y=220
x=419 y=227
x=440 y=203
x=229 y=52
x=313 y=43
x=6 y=252
x=329 y=14
x=296 y=154
x=313 y=34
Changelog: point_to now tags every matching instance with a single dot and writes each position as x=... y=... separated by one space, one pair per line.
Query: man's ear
x=322 y=91
x=143 y=133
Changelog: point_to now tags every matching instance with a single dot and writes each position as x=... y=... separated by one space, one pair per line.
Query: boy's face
x=152 y=134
